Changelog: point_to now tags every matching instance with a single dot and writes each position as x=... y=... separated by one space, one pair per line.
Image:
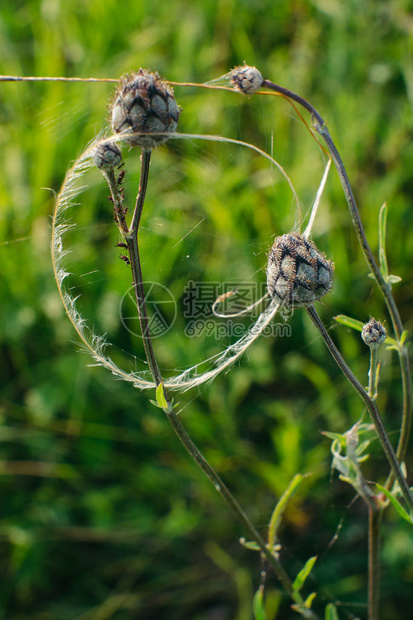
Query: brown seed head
x=298 y=274
x=144 y=104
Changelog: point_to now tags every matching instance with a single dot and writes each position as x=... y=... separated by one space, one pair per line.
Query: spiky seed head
x=298 y=274
x=144 y=104
x=246 y=79
x=106 y=156
x=373 y=333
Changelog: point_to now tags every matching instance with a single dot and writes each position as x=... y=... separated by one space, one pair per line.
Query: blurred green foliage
x=103 y=515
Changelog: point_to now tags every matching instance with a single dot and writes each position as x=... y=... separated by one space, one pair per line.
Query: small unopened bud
x=373 y=333
x=107 y=155
x=246 y=79
x=144 y=104
x=298 y=274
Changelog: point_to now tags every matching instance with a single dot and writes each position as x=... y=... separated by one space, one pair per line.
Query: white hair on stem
x=97 y=345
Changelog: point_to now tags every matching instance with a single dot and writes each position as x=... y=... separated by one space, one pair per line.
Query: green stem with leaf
x=370 y=405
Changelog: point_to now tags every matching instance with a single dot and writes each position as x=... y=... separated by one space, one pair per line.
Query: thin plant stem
x=374 y=562
x=236 y=509
x=370 y=405
x=143 y=184
x=373 y=372
x=384 y=286
x=131 y=238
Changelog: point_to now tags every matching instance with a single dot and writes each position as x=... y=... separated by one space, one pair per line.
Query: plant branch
x=370 y=405
x=384 y=286
x=235 y=508
x=131 y=238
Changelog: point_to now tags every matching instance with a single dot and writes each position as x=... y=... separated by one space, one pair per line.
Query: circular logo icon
x=160 y=305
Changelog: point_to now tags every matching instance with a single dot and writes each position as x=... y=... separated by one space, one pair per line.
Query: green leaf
x=280 y=508
x=382 y=241
x=396 y=504
x=309 y=600
x=392 y=279
x=403 y=337
x=303 y=574
x=331 y=612
x=258 y=605
x=160 y=397
x=349 y=322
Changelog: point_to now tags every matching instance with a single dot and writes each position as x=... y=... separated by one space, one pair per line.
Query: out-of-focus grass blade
x=331 y=612
x=258 y=605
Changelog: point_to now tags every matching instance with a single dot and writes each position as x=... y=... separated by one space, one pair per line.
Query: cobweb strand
x=97 y=345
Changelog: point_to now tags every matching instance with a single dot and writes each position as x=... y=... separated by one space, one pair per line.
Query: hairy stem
x=370 y=405
x=117 y=199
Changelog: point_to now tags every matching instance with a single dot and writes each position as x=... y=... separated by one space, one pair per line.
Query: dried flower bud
x=298 y=274
x=373 y=333
x=107 y=155
x=246 y=79
x=146 y=105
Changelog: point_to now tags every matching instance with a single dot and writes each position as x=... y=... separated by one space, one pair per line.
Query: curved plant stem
x=384 y=286
x=131 y=238
x=370 y=405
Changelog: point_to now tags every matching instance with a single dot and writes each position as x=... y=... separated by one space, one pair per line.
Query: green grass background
x=102 y=514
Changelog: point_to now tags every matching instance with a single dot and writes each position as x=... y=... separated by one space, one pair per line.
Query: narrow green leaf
x=331 y=612
x=309 y=600
x=396 y=504
x=392 y=279
x=403 y=337
x=258 y=605
x=382 y=241
x=392 y=344
x=160 y=397
x=349 y=322
x=303 y=574
x=280 y=507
